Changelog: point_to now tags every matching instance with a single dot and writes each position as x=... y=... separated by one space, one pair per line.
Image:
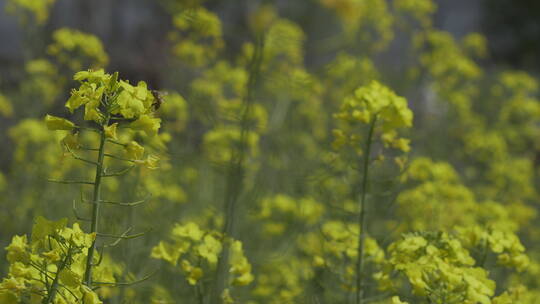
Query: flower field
x=325 y=151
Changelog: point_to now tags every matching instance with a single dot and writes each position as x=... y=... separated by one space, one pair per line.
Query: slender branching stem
x=116 y=142
x=95 y=207
x=362 y=222
x=76 y=213
x=117 y=173
x=114 y=284
x=124 y=237
x=131 y=204
x=119 y=158
x=70 y=182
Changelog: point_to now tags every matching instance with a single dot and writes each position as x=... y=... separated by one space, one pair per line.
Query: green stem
x=96 y=202
x=360 y=262
x=54 y=285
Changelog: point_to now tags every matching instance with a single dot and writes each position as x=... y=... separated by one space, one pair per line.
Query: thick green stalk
x=362 y=223
x=96 y=201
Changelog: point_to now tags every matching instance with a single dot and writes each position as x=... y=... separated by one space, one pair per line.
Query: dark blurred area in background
x=134 y=31
x=513 y=31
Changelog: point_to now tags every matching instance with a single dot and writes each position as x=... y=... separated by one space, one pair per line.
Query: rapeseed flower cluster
x=52 y=262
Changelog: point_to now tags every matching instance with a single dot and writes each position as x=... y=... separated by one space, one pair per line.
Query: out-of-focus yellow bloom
x=369 y=104
x=61 y=252
x=134 y=150
x=77 y=50
x=38 y=10
x=6 y=109
x=196 y=246
x=396 y=300
x=146 y=124
x=58 y=123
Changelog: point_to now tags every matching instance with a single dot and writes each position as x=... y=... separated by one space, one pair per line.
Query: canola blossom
x=50 y=262
x=373 y=104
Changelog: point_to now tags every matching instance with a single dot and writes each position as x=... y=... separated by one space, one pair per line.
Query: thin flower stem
x=77 y=157
x=70 y=182
x=54 y=285
x=116 y=142
x=124 y=237
x=100 y=256
x=117 y=239
x=122 y=119
x=114 y=284
x=130 y=204
x=119 y=158
x=117 y=173
x=76 y=213
x=362 y=222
